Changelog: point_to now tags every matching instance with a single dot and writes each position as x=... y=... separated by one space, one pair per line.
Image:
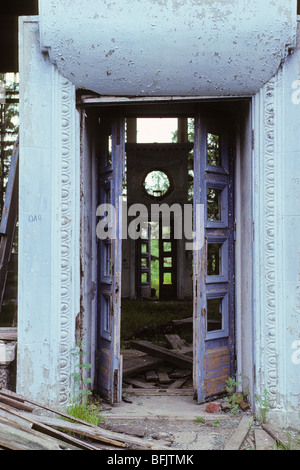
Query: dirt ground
x=172 y=421
x=177 y=422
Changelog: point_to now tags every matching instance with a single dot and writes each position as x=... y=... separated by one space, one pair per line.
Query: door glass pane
x=167 y=278
x=167 y=246
x=167 y=262
x=144 y=262
x=213 y=150
x=214 y=314
x=144 y=248
x=214 y=259
x=107 y=315
x=144 y=277
x=109 y=152
x=166 y=232
x=108 y=259
x=214 y=204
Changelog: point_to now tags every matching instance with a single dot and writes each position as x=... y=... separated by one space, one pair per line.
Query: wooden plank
x=138 y=383
x=21 y=398
x=175 y=341
x=96 y=432
x=163 y=353
x=140 y=364
x=180 y=373
x=47 y=430
x=163 y=377
x=263 y=440
x=14 y=437
x=236 y=440
x=151 y=376
x=8 y=334
x=184 y=321
x=278 y=434
x=178 y=383
x=15 y=403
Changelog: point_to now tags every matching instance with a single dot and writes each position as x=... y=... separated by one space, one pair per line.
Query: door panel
x=144 y=263
x=213 y=263
x=111 y=156
x=167 y=261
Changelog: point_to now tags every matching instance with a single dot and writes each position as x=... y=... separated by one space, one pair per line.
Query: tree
x=9 y=111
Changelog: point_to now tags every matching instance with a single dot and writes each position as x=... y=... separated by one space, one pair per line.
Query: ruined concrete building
x=88 y=72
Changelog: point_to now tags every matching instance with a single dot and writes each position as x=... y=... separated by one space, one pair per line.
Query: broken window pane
x=214 y=259
x=214 y=204
x=167 y=262
x=214 y=314
x=213 y=150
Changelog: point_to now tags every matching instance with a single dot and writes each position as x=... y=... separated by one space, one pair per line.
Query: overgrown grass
x=142 y=316
x=85 y=411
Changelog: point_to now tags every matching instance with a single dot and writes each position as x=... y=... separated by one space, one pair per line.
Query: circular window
x=157 y=183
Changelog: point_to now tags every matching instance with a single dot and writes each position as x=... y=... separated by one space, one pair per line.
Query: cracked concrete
x=175 y=421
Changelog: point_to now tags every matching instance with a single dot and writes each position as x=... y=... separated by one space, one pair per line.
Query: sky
x=155 y=129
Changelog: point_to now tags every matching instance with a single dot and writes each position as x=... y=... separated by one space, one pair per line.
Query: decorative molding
x=66 y=315
x=271 y=372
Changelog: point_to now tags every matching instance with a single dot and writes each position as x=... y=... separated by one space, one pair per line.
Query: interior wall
x=141 y=159
x=243 y=247
x=86 y=322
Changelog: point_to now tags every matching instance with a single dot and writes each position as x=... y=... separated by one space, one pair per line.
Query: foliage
x=9 y=128
x=81 y=390
x=142 y=317
x=264 y=404
x=86 y=411
x=79 y=406
x=234 y=397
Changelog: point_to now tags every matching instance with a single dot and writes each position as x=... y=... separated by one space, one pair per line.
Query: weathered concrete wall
x=49 y=185
x=276 y=197
x=168 y=47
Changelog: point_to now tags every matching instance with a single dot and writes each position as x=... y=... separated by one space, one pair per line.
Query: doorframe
x=165 y=108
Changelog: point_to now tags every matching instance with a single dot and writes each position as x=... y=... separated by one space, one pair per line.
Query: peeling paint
x=227 y=39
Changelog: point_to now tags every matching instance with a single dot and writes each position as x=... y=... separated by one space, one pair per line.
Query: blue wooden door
x=111 y=158
x=214 y=258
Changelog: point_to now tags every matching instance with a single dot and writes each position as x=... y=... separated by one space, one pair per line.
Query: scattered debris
x=213 y=407
x=152 y=367
x=26 y=424
x=237 y=439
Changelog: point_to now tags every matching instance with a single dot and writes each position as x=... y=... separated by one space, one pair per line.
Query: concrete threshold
x=154 y=407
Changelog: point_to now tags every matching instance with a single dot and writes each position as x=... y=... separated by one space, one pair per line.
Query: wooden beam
x=236 y=440
x=140 y=364
x=163 y=353
x=278 y=434
x=263 y=440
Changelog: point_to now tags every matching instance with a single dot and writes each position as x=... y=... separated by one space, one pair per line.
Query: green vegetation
x=80 y=406
x=151 y=318
x=234 y=397
x=264 y=404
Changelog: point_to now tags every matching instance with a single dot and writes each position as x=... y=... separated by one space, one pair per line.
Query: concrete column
x=49 y=210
